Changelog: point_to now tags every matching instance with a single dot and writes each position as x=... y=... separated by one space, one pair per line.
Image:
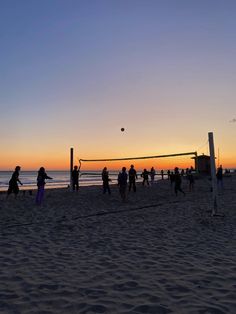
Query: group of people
x=129 y=179
x=14 y=188
x=124 y=178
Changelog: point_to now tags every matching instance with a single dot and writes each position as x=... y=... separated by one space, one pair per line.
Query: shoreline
x=49 y=186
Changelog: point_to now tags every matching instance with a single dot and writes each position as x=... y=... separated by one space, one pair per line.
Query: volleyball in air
x=122 y=129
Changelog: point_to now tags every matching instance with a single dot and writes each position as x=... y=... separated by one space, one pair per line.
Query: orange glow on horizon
x=62 y=162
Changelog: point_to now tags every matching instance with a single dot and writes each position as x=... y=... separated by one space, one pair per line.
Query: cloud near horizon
x=233 y=120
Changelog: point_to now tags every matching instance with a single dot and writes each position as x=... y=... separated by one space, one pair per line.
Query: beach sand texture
x=90 y=253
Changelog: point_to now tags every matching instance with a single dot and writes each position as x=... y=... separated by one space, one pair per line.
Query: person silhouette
x=178 y=182
x=162 y=174
x=105 y=179
x=152 y=175
x=75 y=178
x=168 y=174
x=219 y=176
x=122 y=183
x=190 y=178
x=13 y=183
x=132 y=178
x=144 y=175
x=42 y=176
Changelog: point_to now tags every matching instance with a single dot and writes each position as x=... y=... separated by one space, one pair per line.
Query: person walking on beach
x=144 y=175
x=219 y=176
x=178 y=182
x=122 y=182
x=42 y=176
x=13 y=183
x=75 y=178
x=105 y=180
x=132 y=178
x=152 y=175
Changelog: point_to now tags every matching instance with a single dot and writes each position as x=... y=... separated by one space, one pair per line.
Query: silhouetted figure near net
x=162 y=174
x=42 y=176
x=178 y=182
x=122 y=182
x=144 y=175
x=75 y=178
x=168 y=174
x=132 y=178
x=105 y=180
x=13 y=183
x=152 y=175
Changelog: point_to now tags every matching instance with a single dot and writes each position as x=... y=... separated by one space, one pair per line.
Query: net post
x=71 y=166
x=196 y=163
x=213 y=172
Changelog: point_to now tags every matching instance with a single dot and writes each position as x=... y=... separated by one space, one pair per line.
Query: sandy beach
x=87 y=252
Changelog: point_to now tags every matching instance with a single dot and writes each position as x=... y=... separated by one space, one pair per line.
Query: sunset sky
x=72 y=73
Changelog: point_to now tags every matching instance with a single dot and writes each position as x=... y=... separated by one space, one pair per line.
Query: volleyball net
x=93 y=167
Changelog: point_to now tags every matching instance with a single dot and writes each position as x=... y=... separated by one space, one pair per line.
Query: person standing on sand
x=132 y=178
x=122 y=182
x=13 y=183
x=162 y=174
x=144 y=175
x=219 y=176
x=178 y=181
x=42 y=176
x=152 y=175
x=168 y=174
x=75 y=178
x=190 y=178
x=105 y=179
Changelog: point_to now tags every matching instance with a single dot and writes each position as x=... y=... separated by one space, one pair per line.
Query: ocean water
x=60 y=179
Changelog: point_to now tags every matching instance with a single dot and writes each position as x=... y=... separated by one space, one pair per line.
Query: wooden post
x=213 y=172
x=71 y=167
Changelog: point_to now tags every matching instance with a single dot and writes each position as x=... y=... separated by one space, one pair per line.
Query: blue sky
x=74 y=72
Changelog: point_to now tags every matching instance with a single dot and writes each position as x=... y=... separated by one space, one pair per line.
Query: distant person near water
x=75 y=178
x=162 y=174
x=178 y=182
x=144 y=175
x=152 y=175
x=168 y=174
x=122 y=182
x=42 y=176
x=105 y=180
x=132 y=178
x=13 y=183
